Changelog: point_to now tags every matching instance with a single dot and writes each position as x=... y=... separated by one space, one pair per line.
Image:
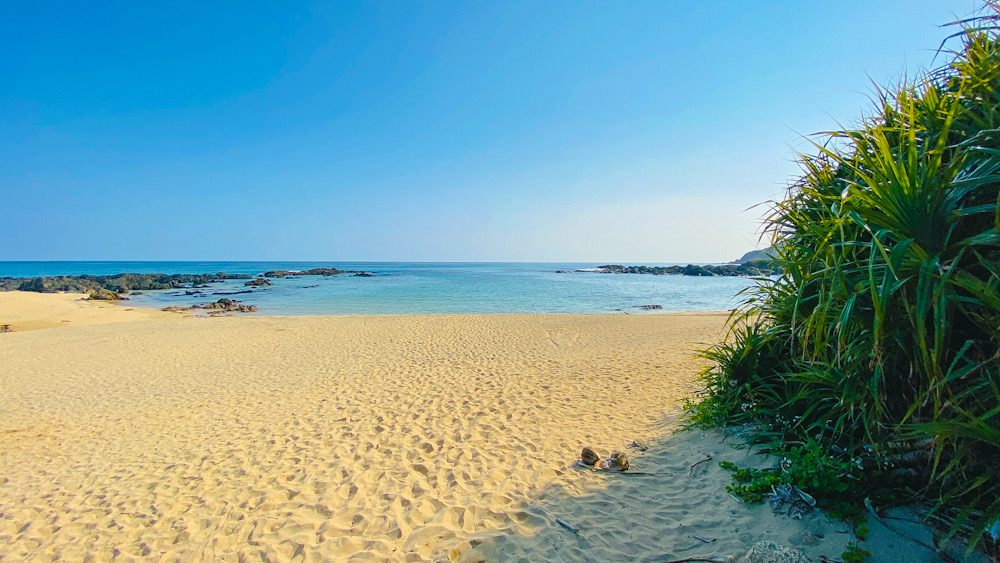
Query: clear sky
x=426 y=131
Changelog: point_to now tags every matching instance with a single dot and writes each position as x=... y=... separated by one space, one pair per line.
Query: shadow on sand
x=681 y=512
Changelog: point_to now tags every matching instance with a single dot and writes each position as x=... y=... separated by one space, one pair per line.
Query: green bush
x=882 y=333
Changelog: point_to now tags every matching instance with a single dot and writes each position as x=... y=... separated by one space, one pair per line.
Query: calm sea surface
x=422 y=288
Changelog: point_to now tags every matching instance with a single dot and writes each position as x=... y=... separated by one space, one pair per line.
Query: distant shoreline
x=290 y=288
x=745 y=269
x=124 y=283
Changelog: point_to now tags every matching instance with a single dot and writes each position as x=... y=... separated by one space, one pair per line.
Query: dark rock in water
x=136 y=293
x=192 y=293
x=106 y=295
x=259 y=282
x=232 y=292
x=313 y=272
x=364 y=275
x=694 y=270
x=753 y=268
x=648 y=307
x=589 y=457
x=561 y=272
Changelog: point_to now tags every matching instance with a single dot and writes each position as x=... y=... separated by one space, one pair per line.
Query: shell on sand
x=589 y=456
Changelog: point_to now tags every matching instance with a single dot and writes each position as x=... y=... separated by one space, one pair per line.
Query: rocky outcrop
x=314 y=272
x=226 y=304
x=757 y=268
x=106 y=295
x=118 y=283
x=259 y=282
x=35 y=284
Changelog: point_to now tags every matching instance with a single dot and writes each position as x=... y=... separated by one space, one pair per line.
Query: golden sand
x=400 y=438
x=23 y=310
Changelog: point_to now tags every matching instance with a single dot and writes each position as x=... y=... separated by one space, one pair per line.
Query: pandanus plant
x=882 y=333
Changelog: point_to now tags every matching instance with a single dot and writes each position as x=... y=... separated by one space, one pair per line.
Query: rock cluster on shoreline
x=121 y=284
x=106 y=295
x=224 y=305
x=118 y=283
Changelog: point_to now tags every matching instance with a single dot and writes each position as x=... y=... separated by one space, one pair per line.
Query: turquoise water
x=422 y=288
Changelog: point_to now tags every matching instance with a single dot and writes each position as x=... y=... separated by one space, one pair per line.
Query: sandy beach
x=139 y=435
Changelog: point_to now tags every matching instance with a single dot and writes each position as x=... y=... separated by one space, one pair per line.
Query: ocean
x=422 y=287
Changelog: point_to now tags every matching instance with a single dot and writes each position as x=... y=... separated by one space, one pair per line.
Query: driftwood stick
x=699 y=462
x=568 y=526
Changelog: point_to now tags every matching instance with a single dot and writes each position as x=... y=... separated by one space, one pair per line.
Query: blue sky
x=436 y=131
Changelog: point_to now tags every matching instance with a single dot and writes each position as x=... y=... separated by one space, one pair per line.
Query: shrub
x=883 y=330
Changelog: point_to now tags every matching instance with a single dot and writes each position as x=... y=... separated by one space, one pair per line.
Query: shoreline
x=407 y=438
x=25 y=310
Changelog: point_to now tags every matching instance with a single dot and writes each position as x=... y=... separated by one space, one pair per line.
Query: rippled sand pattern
x=319 y=438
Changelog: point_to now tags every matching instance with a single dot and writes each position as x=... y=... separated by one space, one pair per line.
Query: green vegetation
x=808 y=466
x=839 y=486
x=880 y=340
x=753 y=268
x=119 y=283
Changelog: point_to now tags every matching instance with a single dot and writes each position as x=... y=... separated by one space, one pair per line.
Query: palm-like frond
x=886 y=323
